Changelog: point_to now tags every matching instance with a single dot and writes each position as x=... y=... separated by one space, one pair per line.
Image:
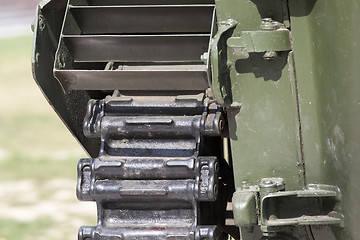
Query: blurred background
x=38 y=156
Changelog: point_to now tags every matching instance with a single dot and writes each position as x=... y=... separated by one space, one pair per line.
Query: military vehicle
x=208 y=119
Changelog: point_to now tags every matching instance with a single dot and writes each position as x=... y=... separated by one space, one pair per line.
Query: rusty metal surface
x=151 y=173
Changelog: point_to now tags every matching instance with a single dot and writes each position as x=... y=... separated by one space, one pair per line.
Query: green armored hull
x=208 y=119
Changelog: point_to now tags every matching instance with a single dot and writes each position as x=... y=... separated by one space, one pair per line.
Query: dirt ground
x=26 y=202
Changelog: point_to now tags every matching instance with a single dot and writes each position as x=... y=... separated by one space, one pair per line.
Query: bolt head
x=270 y=55
x=205 y=57
x=215 y=189
x=267 y=182
x=267 y=24
x=267 y=20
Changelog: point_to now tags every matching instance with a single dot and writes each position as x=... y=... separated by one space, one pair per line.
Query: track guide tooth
x=146 y=167
x=128 y=233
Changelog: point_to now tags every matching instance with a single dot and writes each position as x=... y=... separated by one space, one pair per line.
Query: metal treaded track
x=148 y=179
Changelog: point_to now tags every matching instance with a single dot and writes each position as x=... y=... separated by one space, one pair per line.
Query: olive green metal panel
x=248 y=14
x=264 y=132
x=325 y=39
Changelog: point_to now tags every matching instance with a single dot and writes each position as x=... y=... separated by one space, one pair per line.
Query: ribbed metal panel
x=149 y=45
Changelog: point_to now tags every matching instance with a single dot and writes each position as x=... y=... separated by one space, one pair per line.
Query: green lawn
x=16 y=230
x=38 y=157
x=28 y=125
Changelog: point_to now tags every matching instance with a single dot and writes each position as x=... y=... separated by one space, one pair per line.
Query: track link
x=149 y=178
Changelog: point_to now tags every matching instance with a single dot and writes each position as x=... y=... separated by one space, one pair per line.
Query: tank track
x=152 y=174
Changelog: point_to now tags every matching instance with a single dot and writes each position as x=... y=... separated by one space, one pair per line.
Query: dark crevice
x=299 y=121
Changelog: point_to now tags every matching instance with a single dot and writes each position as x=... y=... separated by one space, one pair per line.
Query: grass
x=14 y=230
x=16 y=47
x=38 y=169
x=36 y=150
x=28 y=125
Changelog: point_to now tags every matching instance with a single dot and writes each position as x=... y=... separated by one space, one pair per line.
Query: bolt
x=267 y=182
x=269 y=234
x=273 y=217
x=267 y=24
x=268 y=231
x=221 y=125
x=33 y=26
x=61 y=61
x=216 y=166
x=223 y=91
x=270 y=55
x=245 y=185
x=210 y=93
x=235 y=106
x=215 y=189
x=271 y=184
x=41 y=23
x=204 y=58
x=37 y=55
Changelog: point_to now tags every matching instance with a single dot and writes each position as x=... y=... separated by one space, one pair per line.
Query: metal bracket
x=217 y=66
x=273 y=37
x=316 y=205
x=270 y=206
x=260 y=41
